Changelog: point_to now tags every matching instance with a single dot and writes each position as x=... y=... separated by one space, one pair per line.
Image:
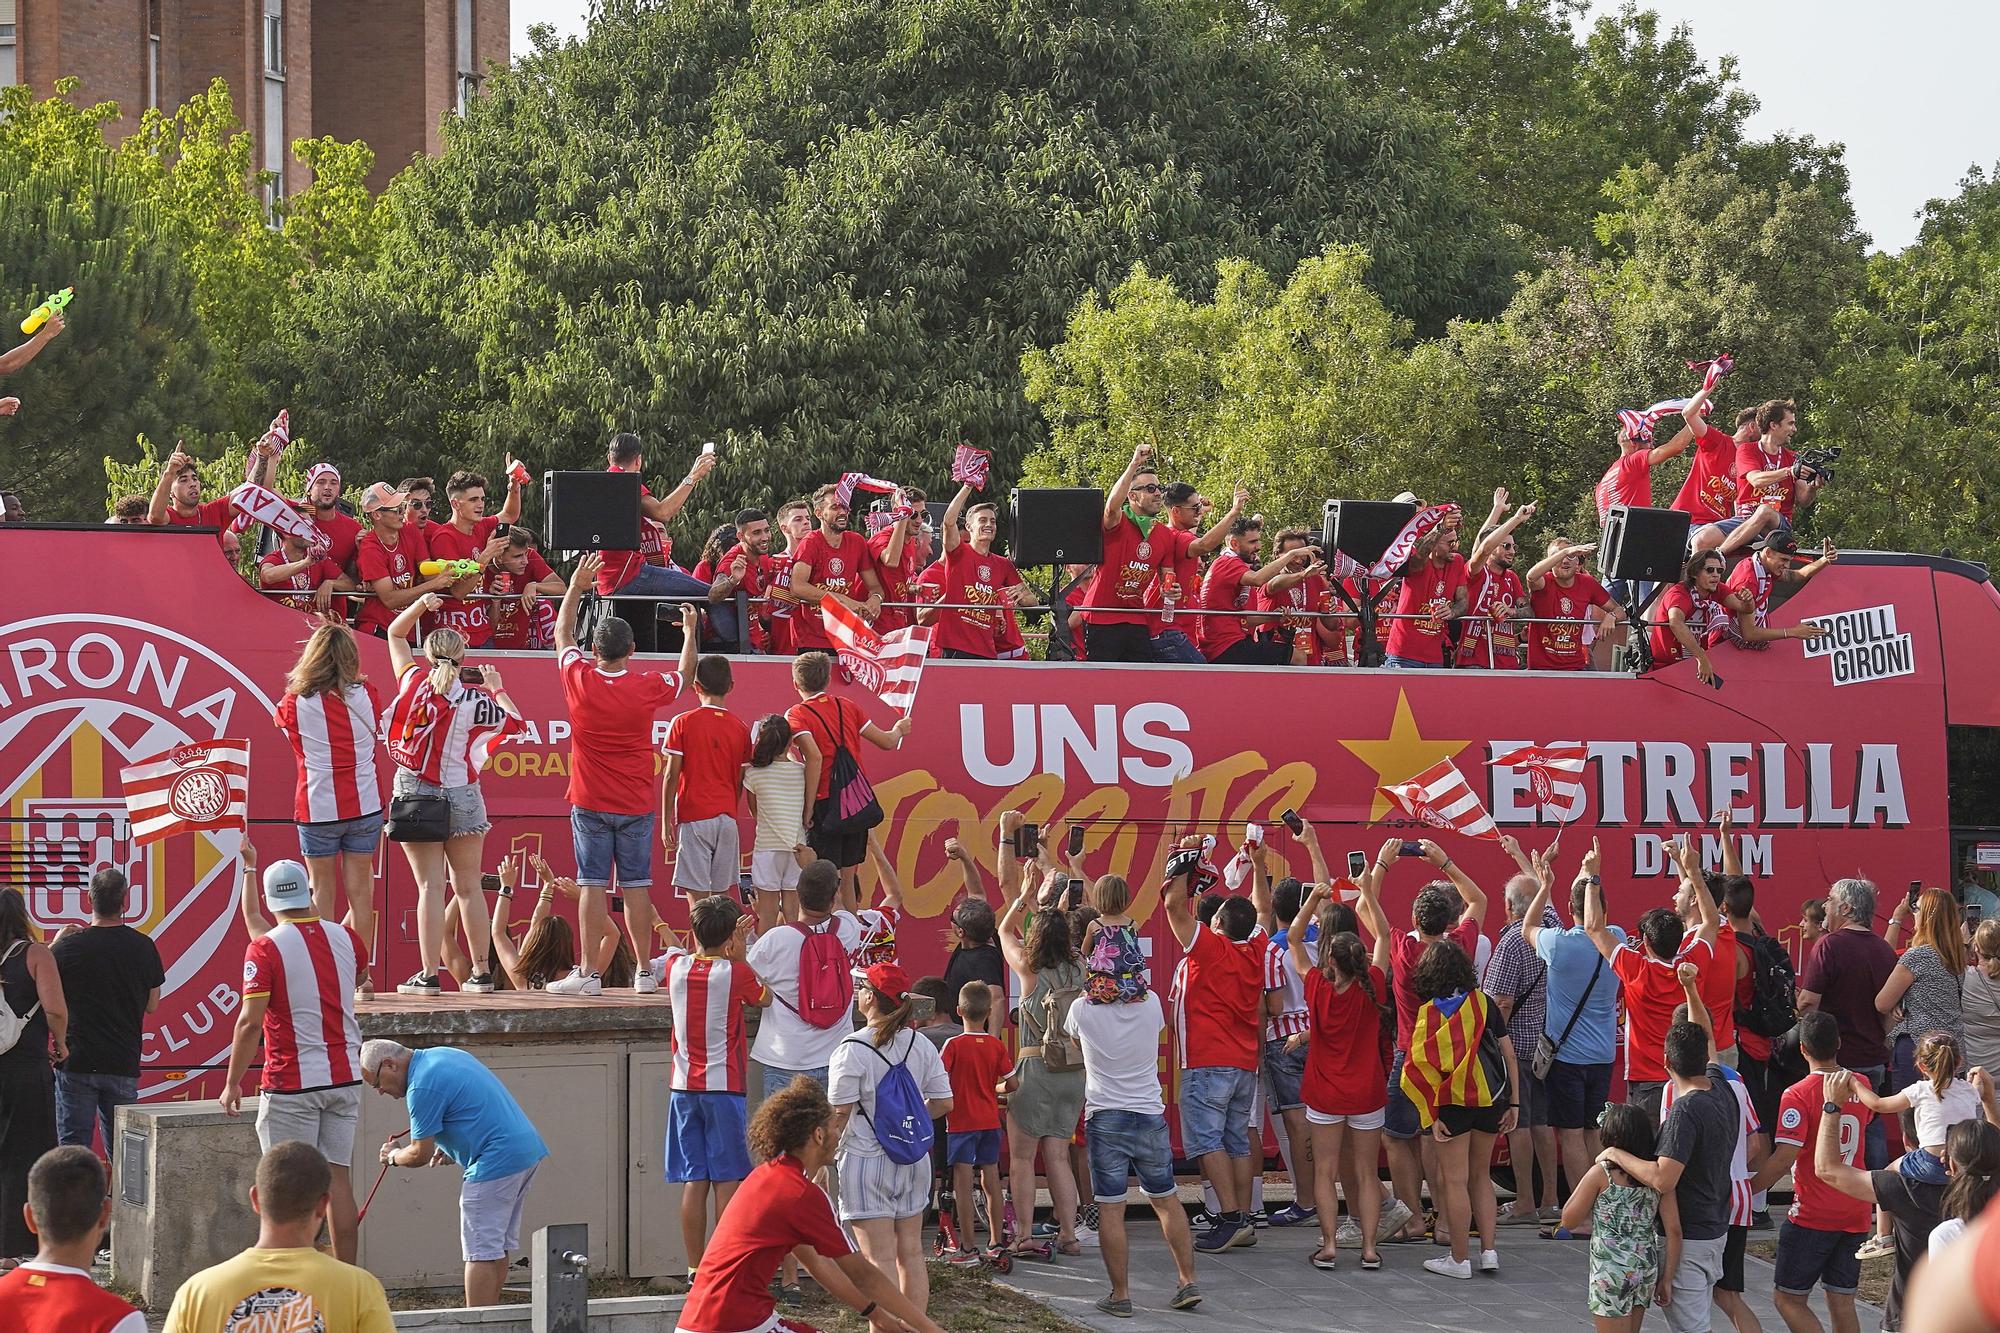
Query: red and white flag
x=1401 y=547
x=1442 y=798
x=843 y=490
x=1554 y=772
x=251 y=501
x=1713 y=370
x=970 y=466
x=201 y=787
x=890 y=667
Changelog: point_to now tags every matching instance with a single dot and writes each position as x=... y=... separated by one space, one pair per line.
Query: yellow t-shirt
x=281 y=1289
x=780 y=789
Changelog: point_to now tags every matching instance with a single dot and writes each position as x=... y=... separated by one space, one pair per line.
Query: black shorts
x=843 y=849
x=1117 y=643
x=1255 y=652
x=1575 y=1094
x=1472 y=1119
x=1809 y=1258
x=1732 y=1261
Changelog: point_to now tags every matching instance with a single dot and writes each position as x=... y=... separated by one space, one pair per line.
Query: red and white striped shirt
x=444 y=738
x=1739 y=1163
x=333 y=737
x=1279 y=976
x=708 y=995
x=308 y=969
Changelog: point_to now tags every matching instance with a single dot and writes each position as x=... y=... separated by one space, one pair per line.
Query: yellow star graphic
x=1405 y=753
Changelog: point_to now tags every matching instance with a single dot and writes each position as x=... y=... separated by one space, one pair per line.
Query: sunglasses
x=1149 y=488
x=417 y=504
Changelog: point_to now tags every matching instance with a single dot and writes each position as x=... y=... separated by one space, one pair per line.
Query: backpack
x=902 y=1123
x=1116 y=965
x=12 y=1025
x=1770 y=1011
x=826 y=985
x=1060 y=1051
x=850 y=805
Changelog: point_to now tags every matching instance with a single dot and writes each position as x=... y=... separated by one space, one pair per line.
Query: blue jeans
x=1170 y=645
x=1123 y=1144
x=1875 y=1139
x=666 y=581
x=85 y=1102
x=603 y=841
x=1400 y=1119
x=777 y=1080
x=1410 y=663
x=1215 y=1110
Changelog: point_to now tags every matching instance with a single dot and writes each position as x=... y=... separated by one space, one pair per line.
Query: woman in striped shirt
x=440 y=729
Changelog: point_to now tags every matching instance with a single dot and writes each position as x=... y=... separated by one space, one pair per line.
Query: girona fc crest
x=80 y=698
x=836 y=566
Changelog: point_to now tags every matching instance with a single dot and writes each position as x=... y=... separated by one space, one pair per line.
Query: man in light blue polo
x=460 y=1112
x=1582 y=1016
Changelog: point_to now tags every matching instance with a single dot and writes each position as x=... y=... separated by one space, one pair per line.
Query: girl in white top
x=778 y=784
x=1938 y=1100
x=881 y=1201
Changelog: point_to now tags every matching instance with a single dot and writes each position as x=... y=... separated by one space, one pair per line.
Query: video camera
x=1816 y=465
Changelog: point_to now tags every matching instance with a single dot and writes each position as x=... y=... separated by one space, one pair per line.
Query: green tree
x=824 y=234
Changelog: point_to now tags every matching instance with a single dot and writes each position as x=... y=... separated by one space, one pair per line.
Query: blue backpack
x=901 y=1122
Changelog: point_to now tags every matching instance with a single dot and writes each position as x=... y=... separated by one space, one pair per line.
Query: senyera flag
x=889 y=668
x=200 y=787
x=1554 y=772
x=1442 y=798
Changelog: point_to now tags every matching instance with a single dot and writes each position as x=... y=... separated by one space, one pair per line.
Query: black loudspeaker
x=1643 y=545
x=1363 y=529
x=591 y=511
x=1062 y=526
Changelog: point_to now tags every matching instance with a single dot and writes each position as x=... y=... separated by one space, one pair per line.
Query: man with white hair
x=460 y=1112
x=1843 y=975
x=298 y=993
x=1517 y=979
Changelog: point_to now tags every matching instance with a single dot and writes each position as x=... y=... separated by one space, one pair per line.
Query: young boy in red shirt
x=707 y=750
x=976 y=1061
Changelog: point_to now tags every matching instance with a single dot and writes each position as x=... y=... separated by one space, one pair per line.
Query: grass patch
x=1875 y=1273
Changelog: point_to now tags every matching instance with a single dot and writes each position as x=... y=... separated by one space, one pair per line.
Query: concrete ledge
x=623 y=1314
x=512 y=1016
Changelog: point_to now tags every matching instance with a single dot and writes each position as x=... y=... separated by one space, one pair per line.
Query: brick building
x=382 y=71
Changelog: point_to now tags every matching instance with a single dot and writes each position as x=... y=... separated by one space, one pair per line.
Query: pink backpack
x=826 y=986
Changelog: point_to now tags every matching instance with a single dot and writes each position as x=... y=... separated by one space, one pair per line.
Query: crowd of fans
x=1177 y=582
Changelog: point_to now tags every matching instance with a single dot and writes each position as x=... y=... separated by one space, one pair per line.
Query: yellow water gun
x=458 y=569
x=49 y=306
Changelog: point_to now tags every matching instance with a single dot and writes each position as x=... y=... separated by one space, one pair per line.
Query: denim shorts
x=777 y=1080
x=602 y=840
x=359 y=836
x=1124 y=1144
x=467 y=806
x=1808 y=1258
x=1400 y=1120
x=1215 y=1110
x=1410 y=663
x=972 y=1147
x=1919 y=1165
x=707 y=1137
x=1283 y=1071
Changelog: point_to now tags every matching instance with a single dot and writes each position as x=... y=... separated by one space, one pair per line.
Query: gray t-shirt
x=1700 y=1133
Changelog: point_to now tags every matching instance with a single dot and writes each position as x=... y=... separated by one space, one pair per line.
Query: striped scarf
x=1443 y=1067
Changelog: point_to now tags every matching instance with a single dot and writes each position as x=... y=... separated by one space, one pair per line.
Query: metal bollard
x=559 y=1264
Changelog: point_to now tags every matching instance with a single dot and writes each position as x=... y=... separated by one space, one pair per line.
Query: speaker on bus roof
x=1058 y=526
x=591 y=511
x=1643 y=545
x=1363 y=529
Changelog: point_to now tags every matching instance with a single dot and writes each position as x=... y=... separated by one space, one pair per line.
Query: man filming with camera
x=1769 y=474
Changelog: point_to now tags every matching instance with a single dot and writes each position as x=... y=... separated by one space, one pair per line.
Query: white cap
x=286 y=888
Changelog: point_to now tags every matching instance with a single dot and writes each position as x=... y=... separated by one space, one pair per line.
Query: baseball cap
x=1781 y=541
x=286 y=888
x=890 y=979
x=1406 y=498
x=381 y=495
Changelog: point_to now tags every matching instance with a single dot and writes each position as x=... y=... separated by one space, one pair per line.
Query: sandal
x=1370 y=1263
x=1326 y=1261
x=1070 y=1248
x=1560 y=1232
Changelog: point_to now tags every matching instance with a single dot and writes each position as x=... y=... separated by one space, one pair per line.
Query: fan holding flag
x=834 y=562
x=1552 y=775
x=844 y=807
x=1629 y=481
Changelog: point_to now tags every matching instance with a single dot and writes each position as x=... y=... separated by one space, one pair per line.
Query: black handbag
x=419 y=818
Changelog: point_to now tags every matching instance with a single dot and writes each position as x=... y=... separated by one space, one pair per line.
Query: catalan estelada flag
x=1443 y=1065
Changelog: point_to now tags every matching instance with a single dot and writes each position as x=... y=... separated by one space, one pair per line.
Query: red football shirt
x=1560 y=646
x=1751 y=457
x=707 y=996
x=1703 y=614
x=1310 y=597
x=975 y=1062
x=756 y=588
x=1405 y=949
x=308 y=969
x=43 y=1298
x=1629 y=481
x=214 y=513
x=1131 y=562
x=1344 y=1073
x=1709 y=493
x=973 y=579
x=1224 y=590
x=775 y=1210
x=896 y=580
x=611 y=725
x=1652 y=990
x=343 y=533
x=375 y=559
x=835 y=567
x=829 y=719
x=1815 y=1204
x=473 y=619
x=1222 y=1002
x=305 y=580
x=1427 y=594
x=1180 y=574
x=1717 y=985
x=714 y=745
x=513 y=627
x=1489 y=588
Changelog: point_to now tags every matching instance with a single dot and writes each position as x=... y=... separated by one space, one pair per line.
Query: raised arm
x=1211 y=541
x=968 y=868
x=1489 y=542
x=1538 y=573
x=1673 y=448
x=885 y=871
x=1594 y=923
x=1475 y=897
x=885 y=740
x=1114 y=499
x=1704 y=902
x=953 y=513
x=251 y=901
x=1295 y=938
x=1690 y=978
x=157 y=511
x=1260 y=887
x=400 y=653
x=1174 y=896
x=1544 y=872
x=583 y=577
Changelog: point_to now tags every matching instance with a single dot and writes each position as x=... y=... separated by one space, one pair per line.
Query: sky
x=1909 y=88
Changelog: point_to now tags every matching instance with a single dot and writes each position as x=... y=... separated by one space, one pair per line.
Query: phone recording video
x=1076 y=840
x=1411 y=849
x=1357 y=865
x=1293 y=822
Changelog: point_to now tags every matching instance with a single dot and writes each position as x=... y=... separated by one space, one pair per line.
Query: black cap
x=1781 y=541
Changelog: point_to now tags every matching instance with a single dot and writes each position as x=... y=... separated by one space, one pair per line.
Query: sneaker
x=1222 y=1236
x=1446 y=1266
x=423 y=983
x=1245 y=1237
x=578 y=982
x=644 y=982
x=479 y=983
x=1186 y=1298
x=791 y=1295
x=1489 y=1261
x=1202 y=1220
x=1259 y=1219
x=1876 y=1247
x=1291 y=1215
x=1348 y=1234
x=1394 y=1218
x=1087 y=1236
x=962 y=1258
x=1121 y=1309
x=1760 y=1220
x=1043 y=1230
x=1087 y=1216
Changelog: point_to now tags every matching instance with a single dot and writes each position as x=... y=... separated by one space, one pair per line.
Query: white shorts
x=1371 y=1120
x=327 y=1118
x=874 y=1186
x=489 y=1216
x=774 y=872
x=709 y=856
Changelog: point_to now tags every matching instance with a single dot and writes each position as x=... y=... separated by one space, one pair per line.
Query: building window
x=152 y=53
x=10 y=70
x=274 y=95
x=274 y=37
x=468 y=72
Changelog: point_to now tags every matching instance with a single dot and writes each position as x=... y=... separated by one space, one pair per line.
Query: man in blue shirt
x=460 y=1112
x=1582 y=1014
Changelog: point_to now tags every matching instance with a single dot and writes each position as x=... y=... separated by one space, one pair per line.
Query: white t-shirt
x=780 y=789
x=857 y=1070
x=1943 y=1234
x=784 y=1040
x=1121 y=1054
x=1936 y=1115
